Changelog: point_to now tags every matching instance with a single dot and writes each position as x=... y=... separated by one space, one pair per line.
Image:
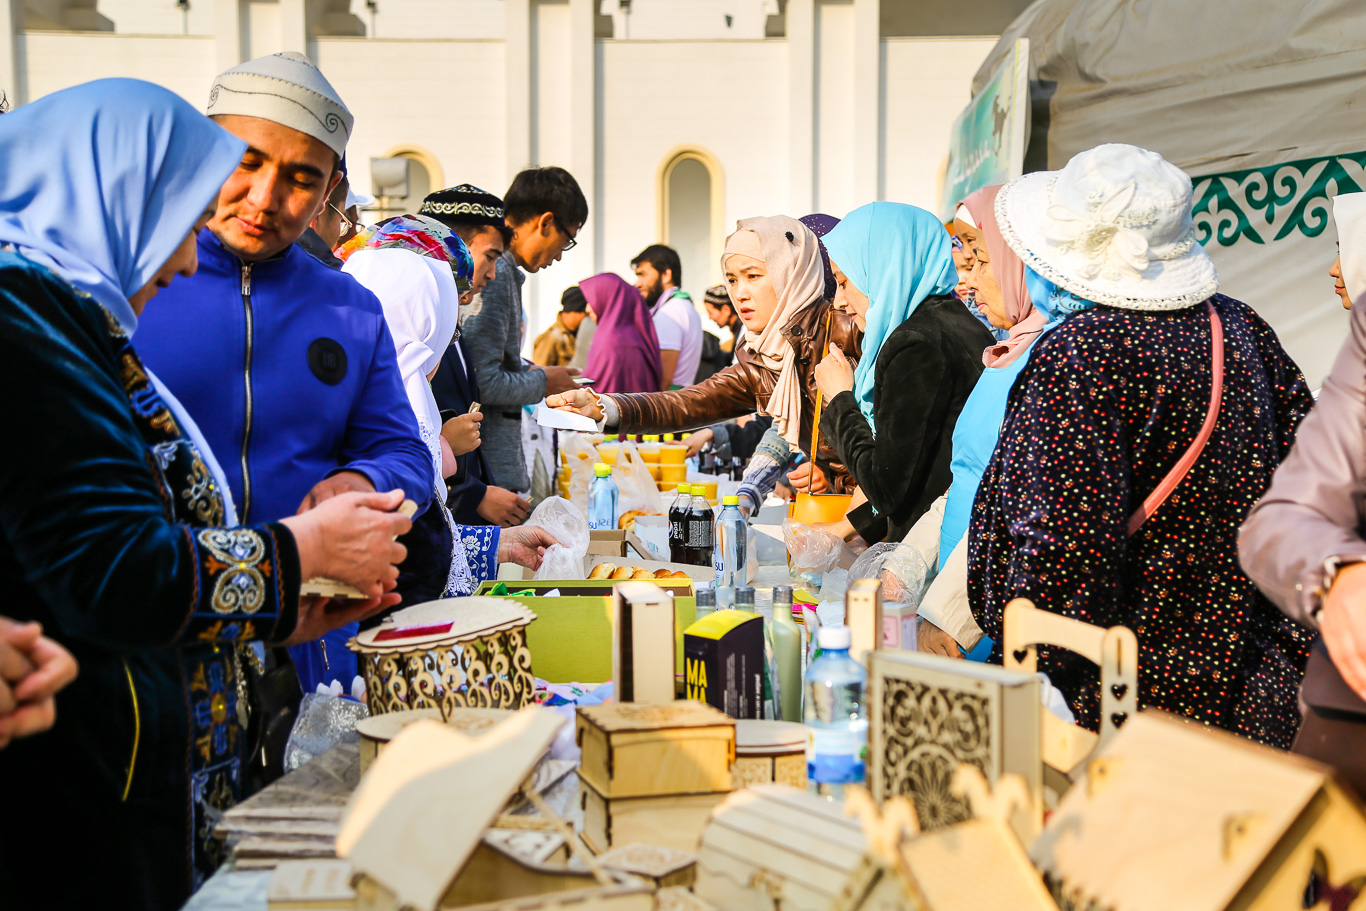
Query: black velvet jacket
x=111 y=535
x=924 y=373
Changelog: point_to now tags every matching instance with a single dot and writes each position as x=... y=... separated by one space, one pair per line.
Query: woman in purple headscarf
x=624 y=356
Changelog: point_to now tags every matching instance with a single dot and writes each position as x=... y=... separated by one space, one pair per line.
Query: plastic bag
x=582 y=455
x=569 y=525
x=636 y=486
x=324 y=721
x=902 y=570
x=811 y=553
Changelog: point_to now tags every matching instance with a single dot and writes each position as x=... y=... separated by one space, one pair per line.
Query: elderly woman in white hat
x=1137 y=438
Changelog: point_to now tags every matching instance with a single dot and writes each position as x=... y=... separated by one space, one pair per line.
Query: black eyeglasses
x=572 y=242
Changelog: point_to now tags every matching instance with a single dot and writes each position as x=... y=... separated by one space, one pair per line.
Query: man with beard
x=659 y=272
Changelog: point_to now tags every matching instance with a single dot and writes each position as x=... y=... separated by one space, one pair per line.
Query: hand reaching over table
x=579 y=401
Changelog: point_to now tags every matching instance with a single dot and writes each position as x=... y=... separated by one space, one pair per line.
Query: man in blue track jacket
x=286 y=365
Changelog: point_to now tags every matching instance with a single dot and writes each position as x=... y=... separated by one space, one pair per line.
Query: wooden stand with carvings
x=1115 y=650
x=928 y=714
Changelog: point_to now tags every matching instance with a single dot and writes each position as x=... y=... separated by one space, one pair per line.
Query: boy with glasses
x=544 y=210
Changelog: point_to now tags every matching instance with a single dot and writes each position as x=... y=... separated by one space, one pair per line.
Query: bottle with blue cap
x=602 y=499
x=836 y=716
x=728 y=545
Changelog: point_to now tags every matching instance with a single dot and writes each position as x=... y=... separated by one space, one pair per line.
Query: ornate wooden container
x=448 y=654
x=927 y=714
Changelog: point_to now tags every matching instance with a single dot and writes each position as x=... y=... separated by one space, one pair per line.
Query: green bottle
x=787 y=648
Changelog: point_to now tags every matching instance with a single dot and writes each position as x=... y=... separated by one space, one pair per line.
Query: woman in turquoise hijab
x=892 y=419
x=116 y=533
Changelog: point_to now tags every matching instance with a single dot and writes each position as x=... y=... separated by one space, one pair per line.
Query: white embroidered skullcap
x=287 y=89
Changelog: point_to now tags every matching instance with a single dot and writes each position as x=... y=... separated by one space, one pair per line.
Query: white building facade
x=677 y=117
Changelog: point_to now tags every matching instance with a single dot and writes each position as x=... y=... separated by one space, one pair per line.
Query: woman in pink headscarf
x=999 y=283
x=624 y=356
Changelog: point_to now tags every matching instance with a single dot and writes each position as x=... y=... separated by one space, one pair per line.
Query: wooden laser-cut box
x=927 y=714
x=643 y=749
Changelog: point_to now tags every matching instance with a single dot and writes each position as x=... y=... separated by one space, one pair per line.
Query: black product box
x=723 y=662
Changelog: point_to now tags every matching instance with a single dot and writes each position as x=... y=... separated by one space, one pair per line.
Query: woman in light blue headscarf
x=891 y=421
x=115 y=529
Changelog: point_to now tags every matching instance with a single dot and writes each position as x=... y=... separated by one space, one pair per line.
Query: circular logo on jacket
x=327 y=360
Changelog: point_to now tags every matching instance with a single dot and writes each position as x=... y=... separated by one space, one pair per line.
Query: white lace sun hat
x=1113 y=226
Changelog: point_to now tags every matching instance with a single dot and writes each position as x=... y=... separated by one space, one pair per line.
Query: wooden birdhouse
x=414 y=830
x=1174 y=816
x=771 y=846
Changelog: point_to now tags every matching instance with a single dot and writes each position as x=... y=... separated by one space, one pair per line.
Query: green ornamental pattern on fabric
x=1264 y=205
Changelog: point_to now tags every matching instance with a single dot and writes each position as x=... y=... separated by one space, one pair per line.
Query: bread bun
x=603 y=571
x=679 y=574
x=623 y=572
x=642 y=574
x=664 y=574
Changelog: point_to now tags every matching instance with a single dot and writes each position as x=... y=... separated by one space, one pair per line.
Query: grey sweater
x=492 y=324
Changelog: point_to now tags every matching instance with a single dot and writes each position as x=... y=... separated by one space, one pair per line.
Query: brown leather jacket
x=744 y=388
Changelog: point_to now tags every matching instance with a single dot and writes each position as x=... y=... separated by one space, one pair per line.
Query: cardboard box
x=571 y=637
x=723 y=662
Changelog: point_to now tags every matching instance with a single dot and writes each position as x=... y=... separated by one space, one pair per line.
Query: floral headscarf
x=420 y=234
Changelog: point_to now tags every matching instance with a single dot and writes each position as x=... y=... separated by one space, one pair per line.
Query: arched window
x=424 y=176
x=691 y=212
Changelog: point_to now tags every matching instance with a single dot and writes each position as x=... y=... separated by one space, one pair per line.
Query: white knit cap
x=286 y=89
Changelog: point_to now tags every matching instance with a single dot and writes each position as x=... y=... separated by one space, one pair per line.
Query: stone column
x=867 y=151
x=517 y=54
x=801 y=80
x=583 y=137
x=293 y=26
x=13 y=82
x=227 y=33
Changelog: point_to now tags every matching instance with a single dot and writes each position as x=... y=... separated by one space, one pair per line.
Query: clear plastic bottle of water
x=728 y=547
x=836 y=717
x=602 y=499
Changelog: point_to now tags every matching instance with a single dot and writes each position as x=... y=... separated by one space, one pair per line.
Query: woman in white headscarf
x=776 y=281
x=1349 y=269
x=414 y=265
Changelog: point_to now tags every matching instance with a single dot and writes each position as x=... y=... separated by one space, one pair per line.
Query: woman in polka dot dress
x=1109 y=403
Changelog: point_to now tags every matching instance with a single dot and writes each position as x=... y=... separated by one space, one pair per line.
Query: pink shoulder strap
x=1179 y=470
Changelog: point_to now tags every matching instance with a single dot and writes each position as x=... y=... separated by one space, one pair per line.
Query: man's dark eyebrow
x=303 y=166
x=307 y=168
